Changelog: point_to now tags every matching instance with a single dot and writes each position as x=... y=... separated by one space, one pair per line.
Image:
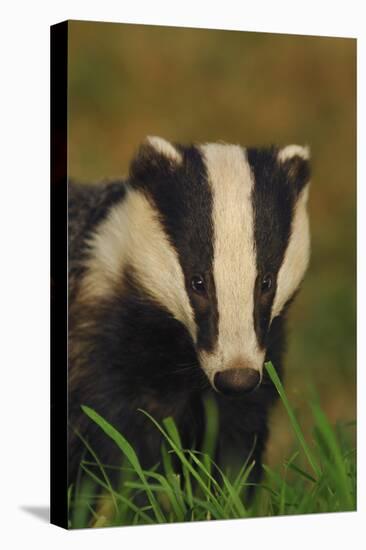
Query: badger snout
x=236 y=380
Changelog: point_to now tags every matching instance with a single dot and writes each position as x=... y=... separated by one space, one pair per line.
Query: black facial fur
x=183 y=197
x=276 y=187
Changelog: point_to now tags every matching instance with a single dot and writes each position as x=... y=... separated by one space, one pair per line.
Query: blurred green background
x=129 y=81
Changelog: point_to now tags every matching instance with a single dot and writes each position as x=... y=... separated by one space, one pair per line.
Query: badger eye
x=198 y=284
x=267 y=283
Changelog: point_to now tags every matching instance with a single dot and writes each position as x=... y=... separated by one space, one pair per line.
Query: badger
x=180 y=279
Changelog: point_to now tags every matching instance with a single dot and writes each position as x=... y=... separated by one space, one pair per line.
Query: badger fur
x=180 y=278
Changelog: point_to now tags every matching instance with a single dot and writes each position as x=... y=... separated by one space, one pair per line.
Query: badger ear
x=294 y=160
x=154 y=155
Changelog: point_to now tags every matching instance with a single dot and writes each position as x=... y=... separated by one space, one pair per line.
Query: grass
x=320 y=476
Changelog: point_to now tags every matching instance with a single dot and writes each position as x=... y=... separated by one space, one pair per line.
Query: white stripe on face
x=234 y=264
x=296 y=257
x=132 y=236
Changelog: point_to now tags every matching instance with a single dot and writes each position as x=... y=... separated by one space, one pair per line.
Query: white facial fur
x=297 y=253
x=132 y=235
x=234 y=258
x=296 y=257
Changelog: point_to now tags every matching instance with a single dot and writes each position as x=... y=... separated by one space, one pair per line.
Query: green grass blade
x=130 y=454
x=80 y=509
x=233 y=497
x=118 y=496
x=173 y=478
x=173 y=434
x=101 y=467
x=167 y=461
x=332 y=456
x=294 y=423
x=302 y=472
x=170 y=491
x=202 y=466
x=239 y=479
x=181 y=455
x=69 y=496
x=205 y=509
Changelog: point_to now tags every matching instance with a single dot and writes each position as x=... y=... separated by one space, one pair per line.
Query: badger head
x=218 y=236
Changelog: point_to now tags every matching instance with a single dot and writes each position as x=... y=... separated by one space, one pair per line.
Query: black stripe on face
x=273 y=200
x=181 y=193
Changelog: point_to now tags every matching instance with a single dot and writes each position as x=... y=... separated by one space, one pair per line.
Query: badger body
x=180 y=279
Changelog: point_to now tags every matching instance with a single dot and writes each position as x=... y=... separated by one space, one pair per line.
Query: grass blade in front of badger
x=130 y=454
x=294 y=423
x=183 y=459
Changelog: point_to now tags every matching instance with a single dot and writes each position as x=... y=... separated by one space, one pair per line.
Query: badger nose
x=236 y=380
